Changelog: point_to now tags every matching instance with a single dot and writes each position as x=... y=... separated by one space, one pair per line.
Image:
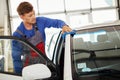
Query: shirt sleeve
x=56 y=23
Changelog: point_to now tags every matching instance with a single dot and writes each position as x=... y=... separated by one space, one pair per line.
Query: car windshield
x=96 y=51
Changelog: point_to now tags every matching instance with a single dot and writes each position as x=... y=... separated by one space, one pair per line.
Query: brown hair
x=24 y=7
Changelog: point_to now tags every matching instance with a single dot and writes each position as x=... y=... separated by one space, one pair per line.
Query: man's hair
x=24 y=7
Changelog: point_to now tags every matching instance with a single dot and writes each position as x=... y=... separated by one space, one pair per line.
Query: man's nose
x=33 y=16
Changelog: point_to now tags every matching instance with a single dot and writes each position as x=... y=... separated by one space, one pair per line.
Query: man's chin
x=33 y=22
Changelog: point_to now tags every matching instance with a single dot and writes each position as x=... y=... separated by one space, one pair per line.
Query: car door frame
x=49 y=63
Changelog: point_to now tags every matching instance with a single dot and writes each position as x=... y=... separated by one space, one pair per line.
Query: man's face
x=29 y=17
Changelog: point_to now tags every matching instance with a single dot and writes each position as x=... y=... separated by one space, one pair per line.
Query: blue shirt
x=41 y=23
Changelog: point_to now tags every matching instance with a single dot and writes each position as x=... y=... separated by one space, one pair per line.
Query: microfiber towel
x=71 y=33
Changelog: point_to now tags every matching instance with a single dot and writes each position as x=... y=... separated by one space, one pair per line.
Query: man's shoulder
x=18 y=31
x=42 y=18
x=16 y=34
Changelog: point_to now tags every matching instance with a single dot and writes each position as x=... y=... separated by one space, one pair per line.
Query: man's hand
x=66 y=29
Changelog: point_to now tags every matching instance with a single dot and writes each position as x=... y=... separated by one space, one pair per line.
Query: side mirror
x=36 y=71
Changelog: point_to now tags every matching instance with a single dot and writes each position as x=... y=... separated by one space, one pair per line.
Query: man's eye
x=30 y=16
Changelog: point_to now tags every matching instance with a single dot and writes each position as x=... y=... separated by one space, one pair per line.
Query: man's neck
x=28 y=26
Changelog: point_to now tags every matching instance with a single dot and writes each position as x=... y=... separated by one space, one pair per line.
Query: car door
x=56 y=47
x=7 y=66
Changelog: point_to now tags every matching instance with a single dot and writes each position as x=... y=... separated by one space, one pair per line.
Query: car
x=92 y=53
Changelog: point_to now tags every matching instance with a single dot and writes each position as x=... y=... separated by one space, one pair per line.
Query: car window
x=96 y=51
x=16 y=54
x=52 y=45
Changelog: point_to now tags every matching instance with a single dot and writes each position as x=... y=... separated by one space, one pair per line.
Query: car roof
x=99 y=25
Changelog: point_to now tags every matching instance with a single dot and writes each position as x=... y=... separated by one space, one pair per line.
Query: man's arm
x=56 y=23
x=48 y=22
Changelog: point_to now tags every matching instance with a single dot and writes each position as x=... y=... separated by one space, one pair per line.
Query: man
x=33 y=29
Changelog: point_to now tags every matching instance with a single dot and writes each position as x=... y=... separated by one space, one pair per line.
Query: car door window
x=16 y=54
x=96 y=51
x=52 y=45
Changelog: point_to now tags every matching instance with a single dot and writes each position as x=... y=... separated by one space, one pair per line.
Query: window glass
x=51 y=45
x=15 y=22
x=103 y=3
x=102 y=16
x=47 y=6
x=77 y=4
x=60 y=16
x=79 y=20
x=96 y=50
x=14 y=55
x=90 y=36
x=14 y=4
